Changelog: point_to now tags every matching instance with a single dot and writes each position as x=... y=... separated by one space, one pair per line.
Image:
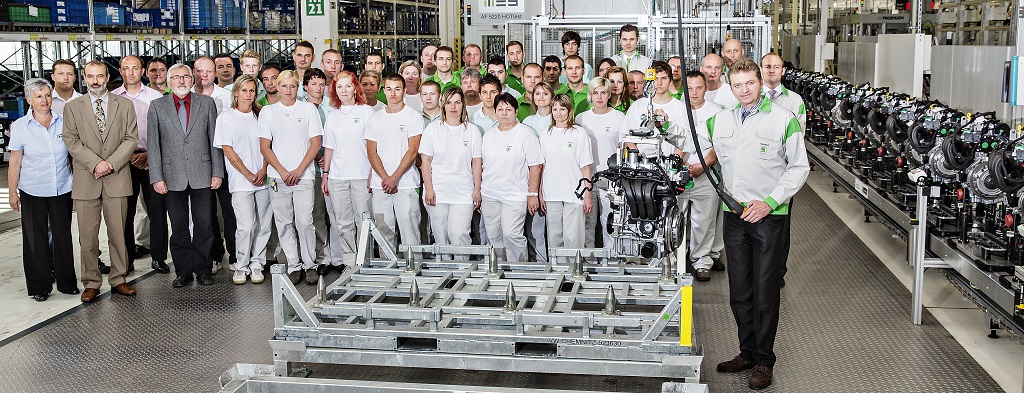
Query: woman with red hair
x=347 y=173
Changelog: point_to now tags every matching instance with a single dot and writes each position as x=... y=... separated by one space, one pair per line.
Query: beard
x=180 y=91
x=98 y=90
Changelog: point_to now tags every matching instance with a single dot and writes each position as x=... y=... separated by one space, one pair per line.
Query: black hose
x=921 y=138
x=1006 y=173
x=734 y=206
x=956 y=153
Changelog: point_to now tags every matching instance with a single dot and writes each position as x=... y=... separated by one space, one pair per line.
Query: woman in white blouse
x=346 y=166
x=512 y=165
x=247 y=174
x=43 y=195
x=603 y=124
x=452 y=167
x=567 y=159
x=290 y=133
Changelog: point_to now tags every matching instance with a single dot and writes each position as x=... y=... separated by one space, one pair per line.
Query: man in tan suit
x=101 y=133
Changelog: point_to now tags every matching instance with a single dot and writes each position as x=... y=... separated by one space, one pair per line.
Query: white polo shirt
x=605 y=131
x=392 y=131
x=452 y=150
x=566 y=152
x=290 y=128
x=700 y=118
x=239 y=131
x=345 y=134
x=507 y=157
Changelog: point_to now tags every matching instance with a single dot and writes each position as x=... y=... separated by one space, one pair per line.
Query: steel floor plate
x=845 y=327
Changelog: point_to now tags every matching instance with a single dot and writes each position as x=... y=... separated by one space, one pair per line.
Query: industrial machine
x=912 y=161
x=645 y=220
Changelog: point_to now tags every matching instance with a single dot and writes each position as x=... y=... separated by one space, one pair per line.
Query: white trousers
x=293 y=214
x=255 y=218
x=349 y=200
x=504 y=221
x=451 y=224
x=327 y=239
x=399 y=211
x=704 y=208
x=565 y=222
x=535 y=236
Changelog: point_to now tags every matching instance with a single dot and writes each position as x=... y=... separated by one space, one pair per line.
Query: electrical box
x=972 y=15
x=948 y=16
x=997 y=13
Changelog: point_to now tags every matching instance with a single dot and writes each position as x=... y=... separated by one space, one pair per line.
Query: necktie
x=772 y=94
x=183 y=117
x=101 y=120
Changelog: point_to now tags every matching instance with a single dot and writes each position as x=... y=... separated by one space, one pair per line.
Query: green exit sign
x=314 y=7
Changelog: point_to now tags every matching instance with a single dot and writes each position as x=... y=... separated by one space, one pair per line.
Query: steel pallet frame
x=629 y=320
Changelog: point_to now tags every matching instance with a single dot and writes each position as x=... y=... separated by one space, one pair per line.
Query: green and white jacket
x=793 y=102
x=762 y=157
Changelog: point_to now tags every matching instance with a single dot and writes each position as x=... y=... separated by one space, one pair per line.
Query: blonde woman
x=567 y=158
x=290 y=134
x=603 y=124
x=539 y=122
x=452 y=167
x=247 y=173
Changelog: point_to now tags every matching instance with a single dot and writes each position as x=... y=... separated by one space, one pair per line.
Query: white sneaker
x=256 y=277
x=227 y=262
x=238 y=277
x=215 y=268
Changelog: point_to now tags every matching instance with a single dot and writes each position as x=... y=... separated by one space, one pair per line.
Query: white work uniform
x=674 y=109
x=221 y=97
x=762 y=157
x=472 y=109
x=724 y=97
x=605 y=137
x=705 y=205
x=536 y=224
x=250 y=203
x=481 y=120
x=290 y=129
x=414 y=101
x=507 y=158
x=452 y=150
x=399 y=211
x=637 y=62
x=789 y=100
x=57 y=105
x=566 y=152
x=348 y=178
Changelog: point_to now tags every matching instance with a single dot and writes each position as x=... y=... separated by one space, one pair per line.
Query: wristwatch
x=532 y=194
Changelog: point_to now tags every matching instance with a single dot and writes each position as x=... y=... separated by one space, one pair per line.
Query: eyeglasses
x=181 y=77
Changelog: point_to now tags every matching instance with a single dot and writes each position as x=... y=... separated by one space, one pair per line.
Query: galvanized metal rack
x=573 y=318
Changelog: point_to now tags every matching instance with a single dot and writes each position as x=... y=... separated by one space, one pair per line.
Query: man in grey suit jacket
x=101 y=132
x=185 y=166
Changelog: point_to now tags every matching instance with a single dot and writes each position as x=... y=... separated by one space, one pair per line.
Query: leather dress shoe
x=205 y=280
x=71 y=292
x=141 y=251
x=123 y=289
x=760 y=378
x=90 y=294
x=181 y=281
x=104 y=269
x=735 y=365
x=160 y=267
x=40 y=298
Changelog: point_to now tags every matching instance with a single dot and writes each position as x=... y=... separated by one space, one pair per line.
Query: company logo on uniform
x=607 y=129
x=356 y=120
x=570 y=145
x=508 y=148
x=401 y=128
x=465 y=143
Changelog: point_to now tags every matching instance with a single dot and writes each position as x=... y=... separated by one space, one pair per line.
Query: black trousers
x=191 y=253
x=156 y=208
x=41 y=216
x=757 y=256
x=223 y=196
